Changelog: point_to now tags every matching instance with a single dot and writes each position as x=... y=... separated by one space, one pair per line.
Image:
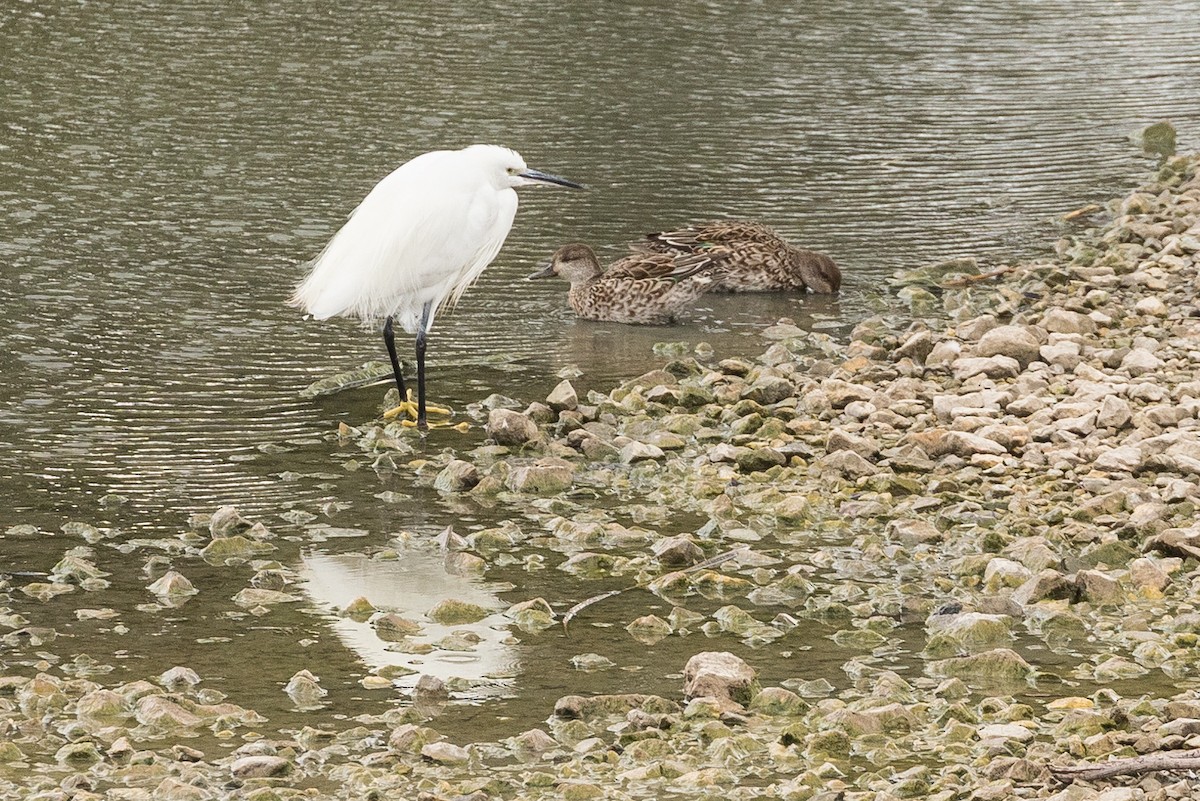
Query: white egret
x=416 y=242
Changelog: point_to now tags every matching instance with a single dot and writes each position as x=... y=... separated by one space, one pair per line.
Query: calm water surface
x=167 y=167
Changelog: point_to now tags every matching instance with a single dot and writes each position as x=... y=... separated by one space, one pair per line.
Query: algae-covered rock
x=451 y=612
x=649 y=629
x=969 y=632
x=996 y=665
x=234 y=547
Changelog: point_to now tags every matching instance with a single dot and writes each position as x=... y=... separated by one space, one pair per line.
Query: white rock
x=1114 y=413
x=1151 y=306
x=1139 y=362
x=1062 y=321
x=1014 y=341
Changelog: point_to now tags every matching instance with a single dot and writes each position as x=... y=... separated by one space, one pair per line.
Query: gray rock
x=1097 y=587
x=769 y=390
x=636 y=451
x=678 y=551
x=457 y=476
x=843 y=441
x=1062 y=321
x=1000 y=366
x=227 y=521
x=1014 y=341
x=544 y=477
x=1139 y=362
x=507 y=427
x=755 y=460
x=1123 y=459
x=917 y=347
x=1064 y=354
x=966 y=444
x=1049 y=584
x=1114 y=412
x=563 y=397
x=446 y=754
x=719 y=674
x=849 y=464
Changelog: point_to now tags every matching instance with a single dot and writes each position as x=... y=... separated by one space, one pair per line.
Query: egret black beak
x=547 y=178
x=546 y=272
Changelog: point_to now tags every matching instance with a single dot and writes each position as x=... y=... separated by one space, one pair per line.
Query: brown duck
x=643 y=288
x=757 y=258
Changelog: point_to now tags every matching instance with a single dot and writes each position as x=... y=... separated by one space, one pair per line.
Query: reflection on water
x=410 y=586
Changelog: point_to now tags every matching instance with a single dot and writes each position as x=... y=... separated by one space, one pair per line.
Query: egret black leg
x=422 y=423
x=389 y=339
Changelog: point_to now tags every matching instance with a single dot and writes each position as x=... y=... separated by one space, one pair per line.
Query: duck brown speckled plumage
x=644 y=288
x=756 y=258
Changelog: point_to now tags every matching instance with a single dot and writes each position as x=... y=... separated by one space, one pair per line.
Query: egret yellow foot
x=462 y=427
x=408 y=408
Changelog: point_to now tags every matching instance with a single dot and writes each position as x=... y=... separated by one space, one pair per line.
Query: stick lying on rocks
x=719 y=559
x=1128 y=766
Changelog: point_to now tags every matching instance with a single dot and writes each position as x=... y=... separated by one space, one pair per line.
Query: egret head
x=508 y=169
x=574 y=262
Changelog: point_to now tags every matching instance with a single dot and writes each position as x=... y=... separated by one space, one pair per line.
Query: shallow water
x=165 y=168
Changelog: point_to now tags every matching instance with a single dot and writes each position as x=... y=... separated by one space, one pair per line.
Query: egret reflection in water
x=410 y=587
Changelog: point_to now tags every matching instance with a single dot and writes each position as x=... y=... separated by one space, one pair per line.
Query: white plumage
x=417 y=241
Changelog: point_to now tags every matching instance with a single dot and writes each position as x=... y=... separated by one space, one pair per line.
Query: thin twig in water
x=719 y=559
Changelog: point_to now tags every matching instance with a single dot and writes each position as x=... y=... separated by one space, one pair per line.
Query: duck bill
x=539 y=177
x=546 y=272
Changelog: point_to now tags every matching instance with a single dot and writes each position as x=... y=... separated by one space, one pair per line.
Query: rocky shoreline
x=1025 y=463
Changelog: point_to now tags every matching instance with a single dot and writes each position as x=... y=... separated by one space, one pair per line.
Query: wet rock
x=159 y=712
x=227 y=522
x=577 y=707
x=391 y=627
x=969 y=632
x=452 y=612
x=719 y=674
x=179 y=679
x=1098 y=588
x=1000 y=664
x=507 y=427
x=259 y=767
x=234 y=548
x=678 y=551
x=305 y=690
x=172 y=584
x=546 y=476
x=457 y=476
x=649 y=629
